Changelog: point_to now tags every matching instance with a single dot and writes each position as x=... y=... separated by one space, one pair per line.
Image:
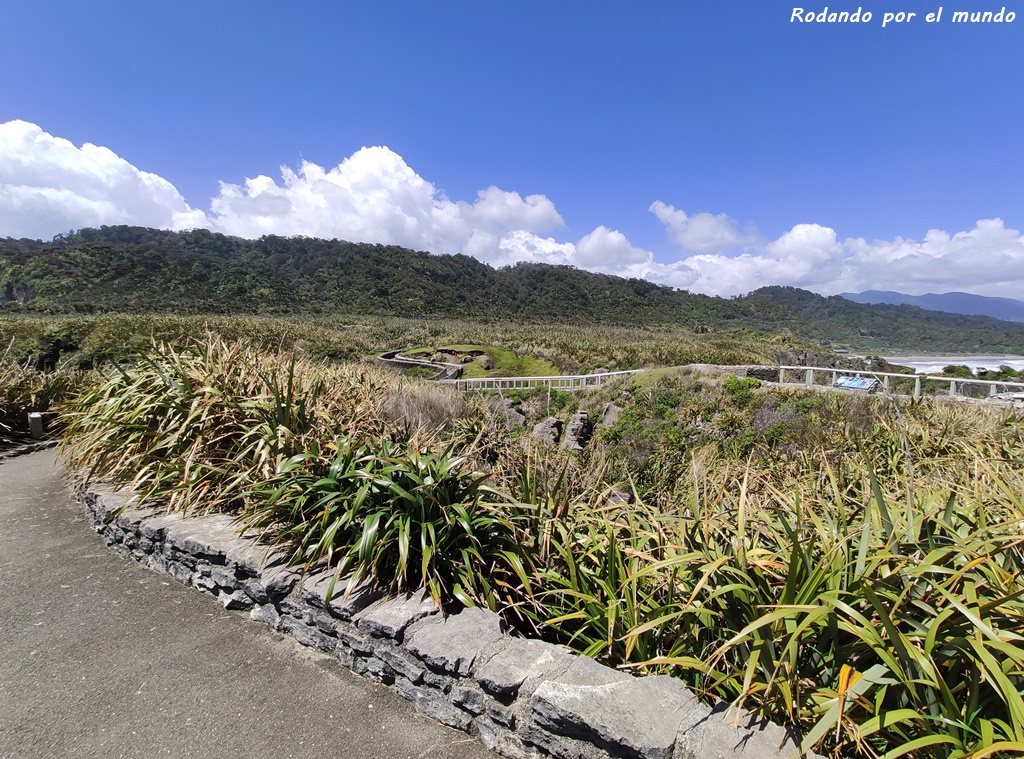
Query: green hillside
x=140 y=270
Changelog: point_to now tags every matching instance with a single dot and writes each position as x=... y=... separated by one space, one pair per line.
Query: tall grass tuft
x=404 y=517
x=24 y=388
x=196 y=426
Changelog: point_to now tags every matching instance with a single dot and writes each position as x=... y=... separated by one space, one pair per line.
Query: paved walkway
x=100 y=657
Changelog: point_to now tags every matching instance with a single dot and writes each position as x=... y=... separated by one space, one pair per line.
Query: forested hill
x=838 y=320
x=136 y=269
x=140 y=269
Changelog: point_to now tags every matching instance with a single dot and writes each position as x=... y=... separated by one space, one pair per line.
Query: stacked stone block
x=521 y=698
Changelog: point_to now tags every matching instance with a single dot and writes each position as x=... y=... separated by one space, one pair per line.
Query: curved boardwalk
x=100 y=657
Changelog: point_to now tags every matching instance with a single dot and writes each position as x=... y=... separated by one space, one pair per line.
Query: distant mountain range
x=1005 y=309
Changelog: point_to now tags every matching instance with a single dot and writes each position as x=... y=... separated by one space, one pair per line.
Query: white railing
x=810 y=372
x=569 y=383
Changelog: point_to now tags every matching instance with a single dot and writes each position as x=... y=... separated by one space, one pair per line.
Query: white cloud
x=47 y=185
x=988 y=260
x=703 y=232
x=375 y=196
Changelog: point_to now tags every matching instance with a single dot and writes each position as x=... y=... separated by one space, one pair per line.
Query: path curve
x=100 y=657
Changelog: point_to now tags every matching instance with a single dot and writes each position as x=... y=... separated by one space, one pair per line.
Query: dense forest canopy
x=137 y=269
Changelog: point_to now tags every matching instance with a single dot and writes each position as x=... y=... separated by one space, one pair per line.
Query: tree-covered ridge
x=836 y=319
x=137 y=269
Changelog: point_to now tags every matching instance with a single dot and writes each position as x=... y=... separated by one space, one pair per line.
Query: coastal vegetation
x=86 y=340
x=848 y=565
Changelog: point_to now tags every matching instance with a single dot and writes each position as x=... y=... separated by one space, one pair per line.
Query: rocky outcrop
x=548 y=431
x=577 y=432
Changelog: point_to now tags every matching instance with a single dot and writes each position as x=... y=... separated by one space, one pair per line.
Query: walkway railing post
x=917 y=388
x=809 y=377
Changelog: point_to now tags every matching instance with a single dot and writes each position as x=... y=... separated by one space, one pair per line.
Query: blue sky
x=830 y=157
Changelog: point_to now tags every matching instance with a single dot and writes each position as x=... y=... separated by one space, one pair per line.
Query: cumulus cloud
x=703 y=232
x=375 y=196
x=47 y=185
x=988 y=260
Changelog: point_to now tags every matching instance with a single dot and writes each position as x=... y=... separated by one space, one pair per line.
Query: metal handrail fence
x=810 y=372
x=568 y=383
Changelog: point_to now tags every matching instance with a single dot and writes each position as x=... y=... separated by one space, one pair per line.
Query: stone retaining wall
x=521 y=698
x=444 y=371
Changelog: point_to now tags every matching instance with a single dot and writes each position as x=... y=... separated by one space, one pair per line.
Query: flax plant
x=403 y=517
x=196 y=426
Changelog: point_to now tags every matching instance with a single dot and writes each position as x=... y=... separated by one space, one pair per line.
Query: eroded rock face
x=505 y=412
x=610 y=415
x=764 y=373
x=577 y=432
x=549 y=431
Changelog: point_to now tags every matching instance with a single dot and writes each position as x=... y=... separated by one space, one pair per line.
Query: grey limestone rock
x=235 y=600
x=103 y=502
x=610 y=414
x=729 y=733
x=549 y=430
x=278 y=579
x=347 y=598
x=400 y=661
x=452 y=644
x=497 y=738
x=469 y=699
x=307 y=635
x=504 y=673
x=390 y=617
x=505 y=411
x=223 y=576
x=588 y=705
x=763 y=373
x=559 y=746
x=373 y=668
x=129 y=519
x=434 y=704
x=206 y=537
x=577 y=432
x=265 y=613
x=255 y=591
x=155 y=528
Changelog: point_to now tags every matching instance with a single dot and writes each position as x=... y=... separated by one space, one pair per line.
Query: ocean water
x=935 y=364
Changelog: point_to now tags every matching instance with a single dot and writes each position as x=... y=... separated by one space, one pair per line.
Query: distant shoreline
x=930 y=364
x=940 y=356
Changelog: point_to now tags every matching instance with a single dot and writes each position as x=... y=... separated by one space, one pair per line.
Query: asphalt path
x=100 y=657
